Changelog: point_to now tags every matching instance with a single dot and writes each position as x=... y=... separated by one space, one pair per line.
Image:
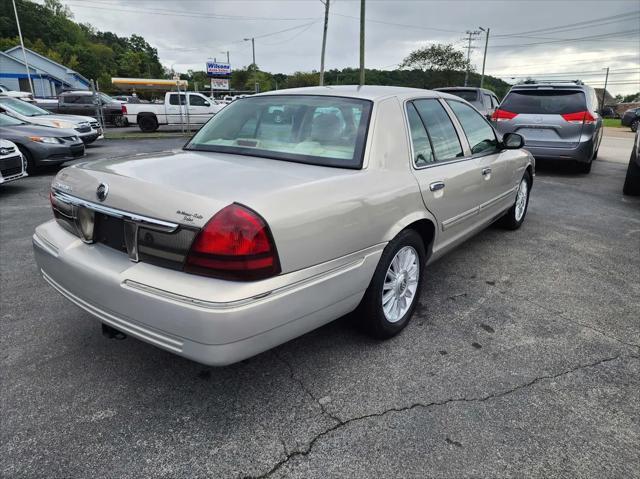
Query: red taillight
x=579 y=117
x=235 y=244
x=124 y=109
x=501 y=115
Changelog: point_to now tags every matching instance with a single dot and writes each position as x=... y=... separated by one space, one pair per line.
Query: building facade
x=48 y=77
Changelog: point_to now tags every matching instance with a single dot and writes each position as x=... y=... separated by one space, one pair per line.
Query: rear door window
x=545 y=102
x=444 y=139
x=422 y=151
x=174 y=100
x=482 y=138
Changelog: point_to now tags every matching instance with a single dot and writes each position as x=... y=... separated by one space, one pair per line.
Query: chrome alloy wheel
x=400 y=284
x=521 y=199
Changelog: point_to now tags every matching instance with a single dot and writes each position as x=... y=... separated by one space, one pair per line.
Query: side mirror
x=512 y=141
x=206 y=103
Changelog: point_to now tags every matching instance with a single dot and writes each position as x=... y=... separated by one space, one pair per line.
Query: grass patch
x=612 y=122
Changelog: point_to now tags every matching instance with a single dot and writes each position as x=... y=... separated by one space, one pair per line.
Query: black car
x=87 y=103
x=631 y=118
x=632 y=180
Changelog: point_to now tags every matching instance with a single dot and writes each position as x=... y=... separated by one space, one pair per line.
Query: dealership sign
x=215 y=69
x=219 y=84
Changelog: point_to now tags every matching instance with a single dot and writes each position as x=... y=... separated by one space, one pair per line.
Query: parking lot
x=523 y=359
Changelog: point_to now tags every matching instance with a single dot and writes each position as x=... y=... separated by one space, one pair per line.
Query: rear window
x=545 y=101
x=319 y=130
x=469 y=95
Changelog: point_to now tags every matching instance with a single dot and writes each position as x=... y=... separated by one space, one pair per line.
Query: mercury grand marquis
x=284 y=212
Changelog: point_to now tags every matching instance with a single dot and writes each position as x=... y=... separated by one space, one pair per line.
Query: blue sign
x=215 y=69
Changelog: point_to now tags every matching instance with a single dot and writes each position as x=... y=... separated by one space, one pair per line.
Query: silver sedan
x=284 y=212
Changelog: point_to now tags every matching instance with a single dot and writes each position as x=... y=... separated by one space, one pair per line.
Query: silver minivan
x=557 y=120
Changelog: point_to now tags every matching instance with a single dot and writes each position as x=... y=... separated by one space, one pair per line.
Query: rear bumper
x=582 y=153
x=211 y=321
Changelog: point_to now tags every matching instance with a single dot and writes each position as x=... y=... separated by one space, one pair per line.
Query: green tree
x=436 y=57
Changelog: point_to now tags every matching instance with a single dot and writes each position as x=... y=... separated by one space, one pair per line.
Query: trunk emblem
x=102 y=191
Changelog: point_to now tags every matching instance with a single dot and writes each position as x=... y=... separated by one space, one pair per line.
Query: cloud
x=187 y=32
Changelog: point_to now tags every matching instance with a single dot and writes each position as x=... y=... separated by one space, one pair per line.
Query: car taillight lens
x=235 y=244
x=124 y=109
x=501 y=115
x=579 y=117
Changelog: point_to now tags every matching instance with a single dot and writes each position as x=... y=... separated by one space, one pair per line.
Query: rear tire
x=393 y=293
x=516 y=214
x=632 y=180
x=148 y=123
x=634 y=125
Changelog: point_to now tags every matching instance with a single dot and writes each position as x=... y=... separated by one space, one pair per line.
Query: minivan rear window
x=545 y=102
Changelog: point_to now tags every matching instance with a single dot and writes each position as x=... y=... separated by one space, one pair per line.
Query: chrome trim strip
x=146 y=221
x=498 y=198
x=127 y=283
x=460 y=218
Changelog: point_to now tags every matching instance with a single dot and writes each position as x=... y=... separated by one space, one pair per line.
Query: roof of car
x=529 y=86
x=462 y=88
x=366 y=92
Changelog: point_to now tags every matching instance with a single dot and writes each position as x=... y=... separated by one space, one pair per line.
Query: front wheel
x=393 y=293
x=28 y=159
x=634 y=125
x=515 y=216
x=632 y=180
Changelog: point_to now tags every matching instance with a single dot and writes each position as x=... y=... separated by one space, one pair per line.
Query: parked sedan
x=12 y=165
x=41 y=145
x=87 y=128
x=285 y=211
x=632 y=180
x=631 y=118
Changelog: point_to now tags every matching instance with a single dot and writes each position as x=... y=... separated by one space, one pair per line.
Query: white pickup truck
x=178 y=108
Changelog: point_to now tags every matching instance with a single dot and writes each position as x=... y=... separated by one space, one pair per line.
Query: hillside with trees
x=49 y=29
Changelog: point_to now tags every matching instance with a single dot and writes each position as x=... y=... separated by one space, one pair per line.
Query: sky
x=545 y=39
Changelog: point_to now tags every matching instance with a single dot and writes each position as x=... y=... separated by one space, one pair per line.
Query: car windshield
x=22 y=107
x=320 y=130
x=469 y=95
x=545 y=102
x=6 y=120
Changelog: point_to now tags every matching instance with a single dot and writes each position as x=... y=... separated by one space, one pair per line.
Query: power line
x=383 y=22
x=172 y=13
x=600 y=37
x=560 y=27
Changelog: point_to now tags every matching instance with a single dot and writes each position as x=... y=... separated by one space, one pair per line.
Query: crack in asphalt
x=342 y=423
x=304 y=387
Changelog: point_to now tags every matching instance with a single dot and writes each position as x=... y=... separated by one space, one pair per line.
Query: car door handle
x=436 y=185
x=486 y=171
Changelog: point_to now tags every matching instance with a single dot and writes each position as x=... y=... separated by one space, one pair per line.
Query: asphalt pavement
x=523 y=360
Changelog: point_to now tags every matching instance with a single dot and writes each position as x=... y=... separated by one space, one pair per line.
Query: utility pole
x=604 y=90
x=362 y=42
x=255 y=67
x=324 y=40
x=484 y=58
x=471 y=35
x=24 y=53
